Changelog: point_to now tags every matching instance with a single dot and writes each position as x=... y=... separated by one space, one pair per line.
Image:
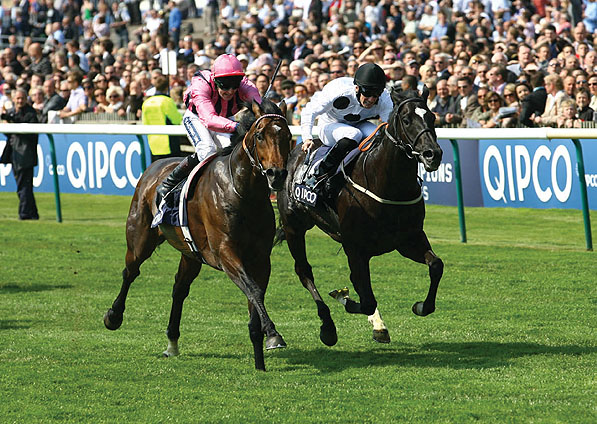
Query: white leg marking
x=376 y=321
x=172 y=349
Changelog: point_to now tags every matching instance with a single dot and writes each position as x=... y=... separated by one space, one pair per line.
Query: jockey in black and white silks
x=344 y=108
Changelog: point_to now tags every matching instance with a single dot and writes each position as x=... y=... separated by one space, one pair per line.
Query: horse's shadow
x=455 y=355
x=14 y=324
x=31 y=288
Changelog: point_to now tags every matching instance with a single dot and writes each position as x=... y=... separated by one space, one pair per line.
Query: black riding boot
x=178 y=174
x=332 y=160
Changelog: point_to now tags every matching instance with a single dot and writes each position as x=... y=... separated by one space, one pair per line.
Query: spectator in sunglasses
x=211 y=100
x=344 y=107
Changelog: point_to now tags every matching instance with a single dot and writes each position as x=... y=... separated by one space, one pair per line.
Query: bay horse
x=379 y=209
x=231 y=220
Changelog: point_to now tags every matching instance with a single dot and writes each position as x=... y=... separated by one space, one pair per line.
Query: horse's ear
x=283 y=107
x=394 y=95
x=256 y=107
x=425 y=92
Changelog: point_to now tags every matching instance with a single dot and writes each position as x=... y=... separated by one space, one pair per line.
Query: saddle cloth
x=174 y=212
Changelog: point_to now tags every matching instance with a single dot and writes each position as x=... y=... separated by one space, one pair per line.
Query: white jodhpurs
x=329 y=134
x=206 y=142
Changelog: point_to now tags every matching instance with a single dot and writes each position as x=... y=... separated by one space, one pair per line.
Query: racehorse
x=230 y=218
x=379 y=209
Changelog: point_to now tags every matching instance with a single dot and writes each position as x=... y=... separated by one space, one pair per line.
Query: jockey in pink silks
x=211 y=100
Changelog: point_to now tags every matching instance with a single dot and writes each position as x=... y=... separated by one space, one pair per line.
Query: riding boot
x=331 y=161
x=179 y=173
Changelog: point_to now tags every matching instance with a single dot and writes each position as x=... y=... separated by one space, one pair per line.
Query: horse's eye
x=406 y=121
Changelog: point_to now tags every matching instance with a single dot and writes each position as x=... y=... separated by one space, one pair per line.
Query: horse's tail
x=280 y=236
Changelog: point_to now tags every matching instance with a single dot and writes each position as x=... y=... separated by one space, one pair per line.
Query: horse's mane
x=247 y=118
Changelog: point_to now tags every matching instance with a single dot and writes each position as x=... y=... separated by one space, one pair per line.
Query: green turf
x=513 y=338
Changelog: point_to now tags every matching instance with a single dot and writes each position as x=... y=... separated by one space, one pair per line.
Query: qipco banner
x=94 y=163
x=536 y=173
x=514 y=173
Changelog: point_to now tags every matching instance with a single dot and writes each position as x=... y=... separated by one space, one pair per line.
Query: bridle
x=408 y=148
x=255 y=161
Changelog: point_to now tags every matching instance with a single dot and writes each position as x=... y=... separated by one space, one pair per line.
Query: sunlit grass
x=513 y=338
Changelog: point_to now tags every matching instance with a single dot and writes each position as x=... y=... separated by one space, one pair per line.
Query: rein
x=256 y=163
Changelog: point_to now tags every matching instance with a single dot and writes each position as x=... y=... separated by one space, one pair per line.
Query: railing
x=451 y=134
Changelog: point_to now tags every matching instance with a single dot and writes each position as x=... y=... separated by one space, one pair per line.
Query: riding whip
x=271 y=83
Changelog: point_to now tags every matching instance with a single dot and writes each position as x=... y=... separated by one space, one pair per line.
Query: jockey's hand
x=307 y=144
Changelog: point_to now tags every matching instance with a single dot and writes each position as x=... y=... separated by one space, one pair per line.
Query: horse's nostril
x=428 y=154
x=270 y=172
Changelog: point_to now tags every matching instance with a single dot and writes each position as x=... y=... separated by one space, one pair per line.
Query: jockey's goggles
x=228 y=83
x=370 y=92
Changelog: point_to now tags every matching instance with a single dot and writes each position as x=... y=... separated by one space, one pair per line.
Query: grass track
x=513 y=338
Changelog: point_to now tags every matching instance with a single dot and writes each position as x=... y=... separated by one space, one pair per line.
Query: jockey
x=344 y=107
x=211 y=100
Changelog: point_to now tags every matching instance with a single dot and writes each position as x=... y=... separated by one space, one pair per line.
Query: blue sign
x=91 y=163
x=514 y=173
x=439 y=187
x=535 y=173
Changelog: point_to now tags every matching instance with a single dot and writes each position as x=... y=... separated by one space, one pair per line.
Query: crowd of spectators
x=490 y=63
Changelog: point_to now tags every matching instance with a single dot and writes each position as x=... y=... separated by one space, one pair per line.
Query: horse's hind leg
x=421 y=252
x=141 y=243
x=188 y=269
x=296 y=245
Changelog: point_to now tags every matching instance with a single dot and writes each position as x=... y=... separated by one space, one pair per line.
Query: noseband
x=255 y=161
x=408 y=148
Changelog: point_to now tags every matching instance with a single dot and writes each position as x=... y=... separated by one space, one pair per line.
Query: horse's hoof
x=328 y=334
x=169 y=354
x=111 y=320
x=381 y=336
x=419 y=309
x=275 y=342
x=339 y=294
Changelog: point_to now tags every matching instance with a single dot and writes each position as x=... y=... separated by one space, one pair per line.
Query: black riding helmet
x=370 y=79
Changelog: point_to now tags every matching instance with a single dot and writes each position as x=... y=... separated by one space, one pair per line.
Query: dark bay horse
x=378 y=210
x=230 y=218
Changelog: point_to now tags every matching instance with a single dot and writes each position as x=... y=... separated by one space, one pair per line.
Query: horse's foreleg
x=256 y=336
x=296 y=244
x=419 y=250
x=436 y=270
x=139 y=248
x=188 y=269
x=254 y=288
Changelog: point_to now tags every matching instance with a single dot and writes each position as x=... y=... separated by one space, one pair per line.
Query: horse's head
x=411 y=127
x=268 y=142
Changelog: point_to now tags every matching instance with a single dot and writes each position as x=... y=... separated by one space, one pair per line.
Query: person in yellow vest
x=160 y=109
